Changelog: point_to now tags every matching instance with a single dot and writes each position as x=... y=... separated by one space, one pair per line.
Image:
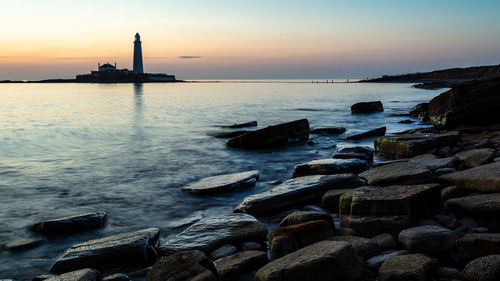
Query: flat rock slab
x=398 y=173
x=328 y=131
x=364 y=247
x=476 y=157
x=210 y=233
x=427 y=239
x=86 y=274
x=105 y=253
x=296 y=192
x=371 y=133
x=325 y=260
x=474 y=245
x=331 y=199
x=475 y=205
x=272 y=136
x=410 y=145
x=358 y=152
x=330 y=166
x=183 y=266
x=415 y=267
x=71 y=224
x=367 y=107
x=241 y=125
x=483 y=269
x=24 y=243
x=484 y=178
x=223 y=183
x=232 y=267
x=432 y=162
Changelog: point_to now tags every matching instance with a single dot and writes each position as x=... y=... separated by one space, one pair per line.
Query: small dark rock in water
x=185 y=266
x=367 y=107
x=358 y=152
x=328 y=131
x=407 y=121
x=86 y=274
x=372 y=133
x=272 y=136
x=228 y=135
x=23 y=244
x=242 y=125
x=72 y=224
x=116 y=277
x=223 y=183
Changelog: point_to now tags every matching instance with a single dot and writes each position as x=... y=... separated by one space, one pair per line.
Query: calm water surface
x=128 y=149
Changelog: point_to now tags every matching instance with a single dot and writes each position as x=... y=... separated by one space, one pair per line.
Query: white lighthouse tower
x=138 y=68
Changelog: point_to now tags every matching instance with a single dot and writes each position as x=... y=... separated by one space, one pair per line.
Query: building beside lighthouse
x=108 y=73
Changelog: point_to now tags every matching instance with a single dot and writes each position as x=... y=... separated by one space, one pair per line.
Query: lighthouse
x=138 y=68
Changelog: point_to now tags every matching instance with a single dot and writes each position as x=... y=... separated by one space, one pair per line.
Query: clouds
x=190 y=57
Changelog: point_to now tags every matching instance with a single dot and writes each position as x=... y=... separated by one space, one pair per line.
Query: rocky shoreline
x=429 y=211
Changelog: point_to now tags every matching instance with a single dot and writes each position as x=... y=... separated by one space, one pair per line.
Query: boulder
x=331 y=199
x=86 y=274
x=358 y=152
x=277 y=135
x=241 y=125
x=367 y=107
x=427 y=239
x=371 y=133
x=420 y=109
x=212 y=232
x=474 y=245
x=375 y=262
x=385 y=241
x=229 y=135
x=330 y=166
x=294 y=237
x=432 y=162
x=473 y=103
x=328 y=131
x=398 y=173
x=295 y=192
x=223 y=183
x=483 y=269
x=475 y=205
x=24 y=243
x=414 y=267
x=325 y=260
x=484 y=178
x=183 y=266
x=135 y=248
x=232 y=267
x=223 y=251
x=306 y=216
x=364 y=247
x=476 y=157
x=410 y=145
x=375 y=210
x=71 y=224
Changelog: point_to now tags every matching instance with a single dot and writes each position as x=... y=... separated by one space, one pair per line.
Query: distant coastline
x=80 y=81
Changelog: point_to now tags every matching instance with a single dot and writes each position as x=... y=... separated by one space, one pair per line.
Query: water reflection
x=138 y=90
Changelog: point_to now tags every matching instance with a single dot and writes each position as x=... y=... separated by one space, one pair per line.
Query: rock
x=375 y=262
x=428 y=222
x=474 y=245
x=406 y=121
x=484 y=178
x=86 y=274
x=427 y=239
x=23 y=244
x=328 y=131
x=475 y=205
x=451 y=192
x=358 y=152
x=483 y=269
x=223 y=251
x=296 y=192
x=442 y=171
x=72 y=224
x=346 y=231
x=251 y=246
x=133 y=248
x=286 y=133
x=385 y=241
x=314 y=208
x=37 y=278
x=410 y=145
x=473 y=103
x=140 y=273
x=306 y=216
x=433 y=163
x=375 y=210
x=331 y=199
x=446 y=220
x=398 y=173
x=371 y=133
x=299 y=236
x=325 y=260
x=364 y=247
x=330 y=166
x=476 y=157
x=387 y=162
x=228 y=135
x=183 y=266
x=116 y=277
x=210 y=233
x=224 y=183
x=419 y=109
x=367 y=107
x=450 y=273
x=467 y=222
x=241 y=125
x=415 y=267
x=232 y=267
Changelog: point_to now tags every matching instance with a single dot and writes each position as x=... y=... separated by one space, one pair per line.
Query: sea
x=127 y=149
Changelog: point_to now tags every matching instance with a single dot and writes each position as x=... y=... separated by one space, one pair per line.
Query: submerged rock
x=427 y=239
x=23 y=244
x=358 y=152
x=133 y=248
x=416 y=267
x=484 y=178
x=295 y=192
x=328 y=131
x=371 y=133
x=476 y=157
x=210 y=233
x=367 y=107
x=241 y=125
x=71 y=224
x=398 y=173
x=410 y=145
x=282 y=134
x=183 y=266
x=330 y=166
x=223 y=183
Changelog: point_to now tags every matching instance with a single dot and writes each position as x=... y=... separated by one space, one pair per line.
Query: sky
x=260 y=39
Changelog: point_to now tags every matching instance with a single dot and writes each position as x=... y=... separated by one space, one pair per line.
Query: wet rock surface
x=484 y=178
x=358 y=152
x=432 y=162
x=375 y=262
x=476 y=157
x=416 y=267
x=401 y=173
x=224 y=183
x=371 y=133
x=328 y=131
x=71 y=224
x=331 y=199
x=183 y=266
x=232 y=267
x=410 y=145
x=24 y=243
x=364 y=247
x=367 y=107
x=306 y=216
x=86 y=274
x=478 y=205
x=241 y=125
x=474 y=245
x=330 y=166
x=427 y=239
